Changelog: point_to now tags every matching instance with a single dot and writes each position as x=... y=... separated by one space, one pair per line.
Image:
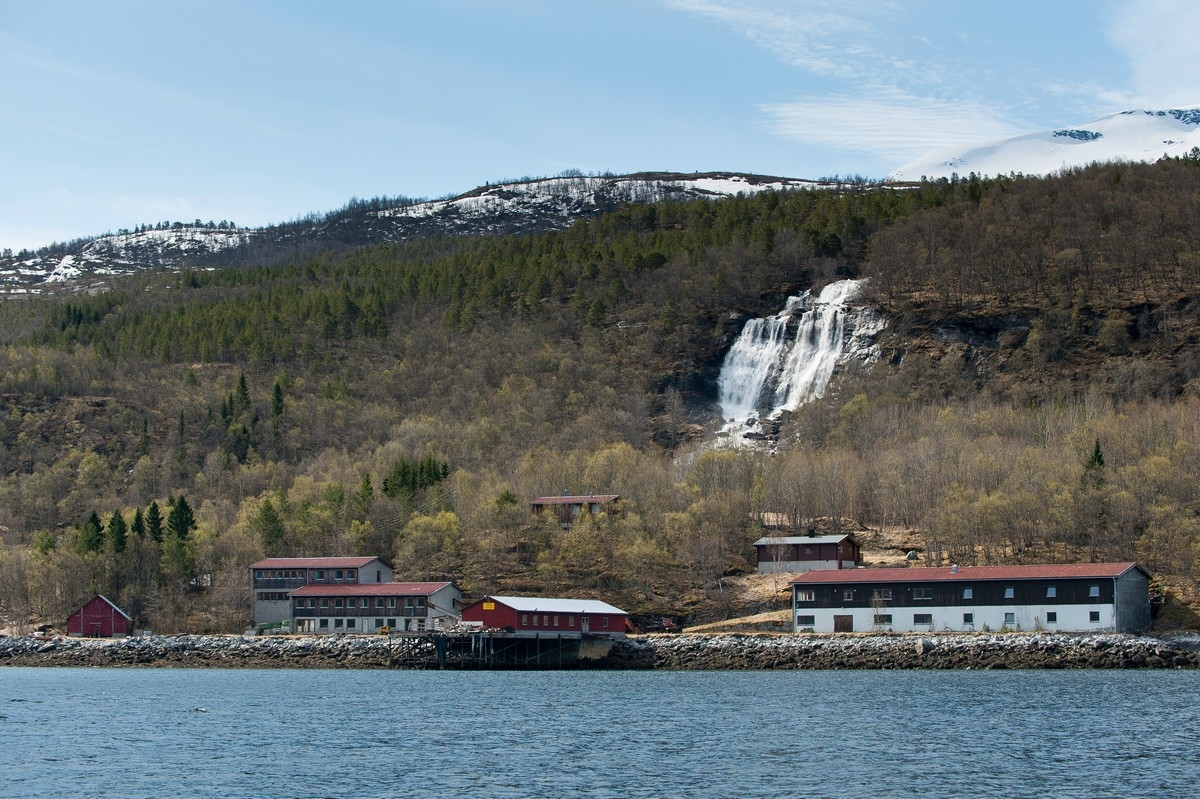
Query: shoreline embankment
x=683 y=652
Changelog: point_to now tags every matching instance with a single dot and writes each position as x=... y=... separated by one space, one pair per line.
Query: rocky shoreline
x=648 y=652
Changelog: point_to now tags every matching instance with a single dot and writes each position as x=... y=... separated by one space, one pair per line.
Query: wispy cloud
x=1159 y=39
x=818 y=40
x=884 y=98
x=889 y=124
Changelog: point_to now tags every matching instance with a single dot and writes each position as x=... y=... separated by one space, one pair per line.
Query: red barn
x=543 y=616
x=99 y=618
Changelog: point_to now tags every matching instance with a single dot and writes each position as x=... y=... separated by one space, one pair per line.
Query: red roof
x=312 y=563
x=582 y=500
x=1058 y=571
x=370 y=589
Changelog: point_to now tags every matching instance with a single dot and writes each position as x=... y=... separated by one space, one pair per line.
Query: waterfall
x=781 y=362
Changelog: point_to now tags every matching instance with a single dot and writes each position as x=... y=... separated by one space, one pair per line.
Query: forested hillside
x=1035 y=401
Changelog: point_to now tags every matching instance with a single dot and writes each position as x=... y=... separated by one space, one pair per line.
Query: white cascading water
x=781 y=362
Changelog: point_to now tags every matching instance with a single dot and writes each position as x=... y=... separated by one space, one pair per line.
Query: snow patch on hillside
x=1138 y=135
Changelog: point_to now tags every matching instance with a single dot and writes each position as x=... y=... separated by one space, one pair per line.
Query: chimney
x=812 y=532
x=954 y=568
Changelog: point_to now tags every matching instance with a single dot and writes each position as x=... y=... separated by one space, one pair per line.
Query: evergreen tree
x=138 y=525
x=242 y=396
x=277 y=400
x=154 y=522
x=116 y=530
x=91 y=534
x=364 y=497
x=180 y=519
x=269 y=527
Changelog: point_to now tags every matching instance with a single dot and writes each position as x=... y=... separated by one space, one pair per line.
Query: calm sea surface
x=212 y=733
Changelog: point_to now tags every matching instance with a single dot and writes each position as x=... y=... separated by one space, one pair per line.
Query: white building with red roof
x=370 y=607
x=1073 y=597
x=272 y=579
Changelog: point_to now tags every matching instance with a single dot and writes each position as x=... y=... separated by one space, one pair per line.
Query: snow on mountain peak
x=1136 y=135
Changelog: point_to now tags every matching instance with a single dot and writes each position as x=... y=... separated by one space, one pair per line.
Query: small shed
x=99 y=618
x=548 y=616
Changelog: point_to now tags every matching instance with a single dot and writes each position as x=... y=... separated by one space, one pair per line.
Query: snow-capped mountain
x=524 y=206
x=1127 y=136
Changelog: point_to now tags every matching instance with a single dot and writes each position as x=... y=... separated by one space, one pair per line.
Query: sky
x=128 y=112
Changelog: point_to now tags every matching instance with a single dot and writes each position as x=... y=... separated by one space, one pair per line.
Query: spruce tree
x=116 y=530
x=154 y=522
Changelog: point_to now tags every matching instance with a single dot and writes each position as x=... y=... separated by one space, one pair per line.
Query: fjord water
x=345 y=733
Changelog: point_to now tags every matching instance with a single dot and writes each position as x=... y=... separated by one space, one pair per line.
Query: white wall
x=1071 y=618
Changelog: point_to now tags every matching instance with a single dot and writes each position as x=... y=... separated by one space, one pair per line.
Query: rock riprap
x=663 y=652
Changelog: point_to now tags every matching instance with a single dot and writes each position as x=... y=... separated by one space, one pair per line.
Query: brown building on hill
x=567 y=508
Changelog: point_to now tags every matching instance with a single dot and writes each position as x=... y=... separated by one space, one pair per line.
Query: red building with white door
x=545 y=616
x=99 y=618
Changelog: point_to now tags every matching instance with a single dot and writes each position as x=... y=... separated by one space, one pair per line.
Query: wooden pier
x=494 y=650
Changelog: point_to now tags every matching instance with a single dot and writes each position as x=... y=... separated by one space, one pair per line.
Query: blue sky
x=257 y=111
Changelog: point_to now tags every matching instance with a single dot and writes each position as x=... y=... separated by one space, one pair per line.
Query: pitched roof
x=108 y=601
x=775 y=540
x=369 y=589
x=541 y=604
x=577 y=500
x=312 y=563
x=1057 y=571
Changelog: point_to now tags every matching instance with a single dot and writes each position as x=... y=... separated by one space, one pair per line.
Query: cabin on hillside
x=547 y=617
x=370 y=607
x=99 y=618
x=794 y=553
x=272 y=579
x=1074 y=597
x=567 y=508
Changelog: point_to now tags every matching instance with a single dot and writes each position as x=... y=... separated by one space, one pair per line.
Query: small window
x=366 y=603
x=806 y=621
x=1051 y=592
x=1009 y=592
x=556 y=621
x=392 y=623
x=324 y=603
x=883 y=618
x=847 y=594
x=570 y=621
x=337 y=575
x=1093 y=591
x=323 y=624
x=535 y=620
x=545 y=621
x=379 y=602
x=524 y=619
x=968 y=618
x=882 y=594
x=337 y=603
x=337 y=624
x=605 y=622
x=320 y=575
x=968 y=593
x=258 y=574
x=806 y=596
x=378 y=623
x=1010 y=618
x=391 y=602
x=1051 y=617
x=922 y=593
x=352 y=575
x=349 y=623
x=1093 y=616
x=922 y=618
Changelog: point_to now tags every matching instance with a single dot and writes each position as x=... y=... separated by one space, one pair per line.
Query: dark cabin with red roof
x=567 y=508
x=272 y=579
x=99 y=618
